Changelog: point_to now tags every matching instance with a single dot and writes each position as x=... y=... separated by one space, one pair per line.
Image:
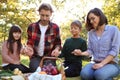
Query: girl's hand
x=22 y=50
x=28 y=51
x=16 y=62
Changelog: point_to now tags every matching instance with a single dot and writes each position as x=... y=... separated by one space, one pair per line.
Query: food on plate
x=42 y=72
x=17 y=72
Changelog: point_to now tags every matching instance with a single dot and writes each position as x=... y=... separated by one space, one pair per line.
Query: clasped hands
x=77 y=52
x=55 y=52
x=28 y=50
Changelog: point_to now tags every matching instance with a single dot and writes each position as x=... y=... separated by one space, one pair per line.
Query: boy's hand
x=76 y=52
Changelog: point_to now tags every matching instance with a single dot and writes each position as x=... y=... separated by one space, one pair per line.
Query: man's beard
x=44 y=22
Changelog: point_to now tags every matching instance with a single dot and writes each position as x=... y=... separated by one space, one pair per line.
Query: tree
x=15 y=12
x=24 y=12
x=67 y=11
x=112 y=11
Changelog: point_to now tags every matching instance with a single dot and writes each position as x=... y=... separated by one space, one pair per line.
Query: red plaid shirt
x=52 y=37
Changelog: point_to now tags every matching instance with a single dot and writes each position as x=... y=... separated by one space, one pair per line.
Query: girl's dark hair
x=11 y=39
x=45 y=6
x=97 y=12
x=77 y=23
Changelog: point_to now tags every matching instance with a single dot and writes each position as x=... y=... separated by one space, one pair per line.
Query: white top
x=98 y=37
x=4 y=64
x=40 y=48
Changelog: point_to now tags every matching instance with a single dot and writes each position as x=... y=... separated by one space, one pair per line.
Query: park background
x=24 y=12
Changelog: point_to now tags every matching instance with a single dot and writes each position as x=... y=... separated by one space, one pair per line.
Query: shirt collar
x=105 y=29
x=48 y=24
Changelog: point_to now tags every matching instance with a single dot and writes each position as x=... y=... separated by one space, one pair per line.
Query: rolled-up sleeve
x=115 y=42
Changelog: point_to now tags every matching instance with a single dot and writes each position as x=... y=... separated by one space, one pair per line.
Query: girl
x=11 y=50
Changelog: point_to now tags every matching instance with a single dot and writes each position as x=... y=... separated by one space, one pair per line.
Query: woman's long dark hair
x=97 y=12
x=11 y=39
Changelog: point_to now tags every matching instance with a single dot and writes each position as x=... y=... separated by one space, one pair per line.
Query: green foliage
x=15 y=12
x=73 y=78
x=25 y=60
x=23 y=13
x=112 y=10
x=59 y=4
x=0 y=59
x=6 y=73
x=65 y=31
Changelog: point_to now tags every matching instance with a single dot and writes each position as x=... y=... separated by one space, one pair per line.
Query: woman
x=11 y=50
x=103 y=46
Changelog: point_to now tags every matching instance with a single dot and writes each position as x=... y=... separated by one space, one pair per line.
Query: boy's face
x=16 y=35
x=75 y=30
x=45 y=16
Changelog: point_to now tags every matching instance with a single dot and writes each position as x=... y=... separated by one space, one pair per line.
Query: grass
x=74 y=78
x=25 y=61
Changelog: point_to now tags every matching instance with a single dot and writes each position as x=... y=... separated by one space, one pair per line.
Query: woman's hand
x=97 y=65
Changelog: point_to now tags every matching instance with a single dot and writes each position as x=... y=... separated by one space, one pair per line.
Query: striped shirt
x=108 y=44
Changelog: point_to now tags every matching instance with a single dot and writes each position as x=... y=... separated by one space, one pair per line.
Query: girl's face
x=75 y=30
x=94 y=20
x=16 y=35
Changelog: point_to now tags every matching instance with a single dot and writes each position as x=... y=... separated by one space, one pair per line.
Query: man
x=43 y=37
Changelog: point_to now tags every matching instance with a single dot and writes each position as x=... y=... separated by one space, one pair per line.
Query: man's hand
x=28 y=51
x=55 y=52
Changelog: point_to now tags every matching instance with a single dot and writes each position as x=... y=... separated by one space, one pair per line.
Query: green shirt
x=70 y=45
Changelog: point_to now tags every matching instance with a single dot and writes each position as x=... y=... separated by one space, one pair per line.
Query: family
x=44 y=40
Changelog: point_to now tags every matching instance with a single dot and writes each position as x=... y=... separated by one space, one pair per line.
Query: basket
x=54 y=59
